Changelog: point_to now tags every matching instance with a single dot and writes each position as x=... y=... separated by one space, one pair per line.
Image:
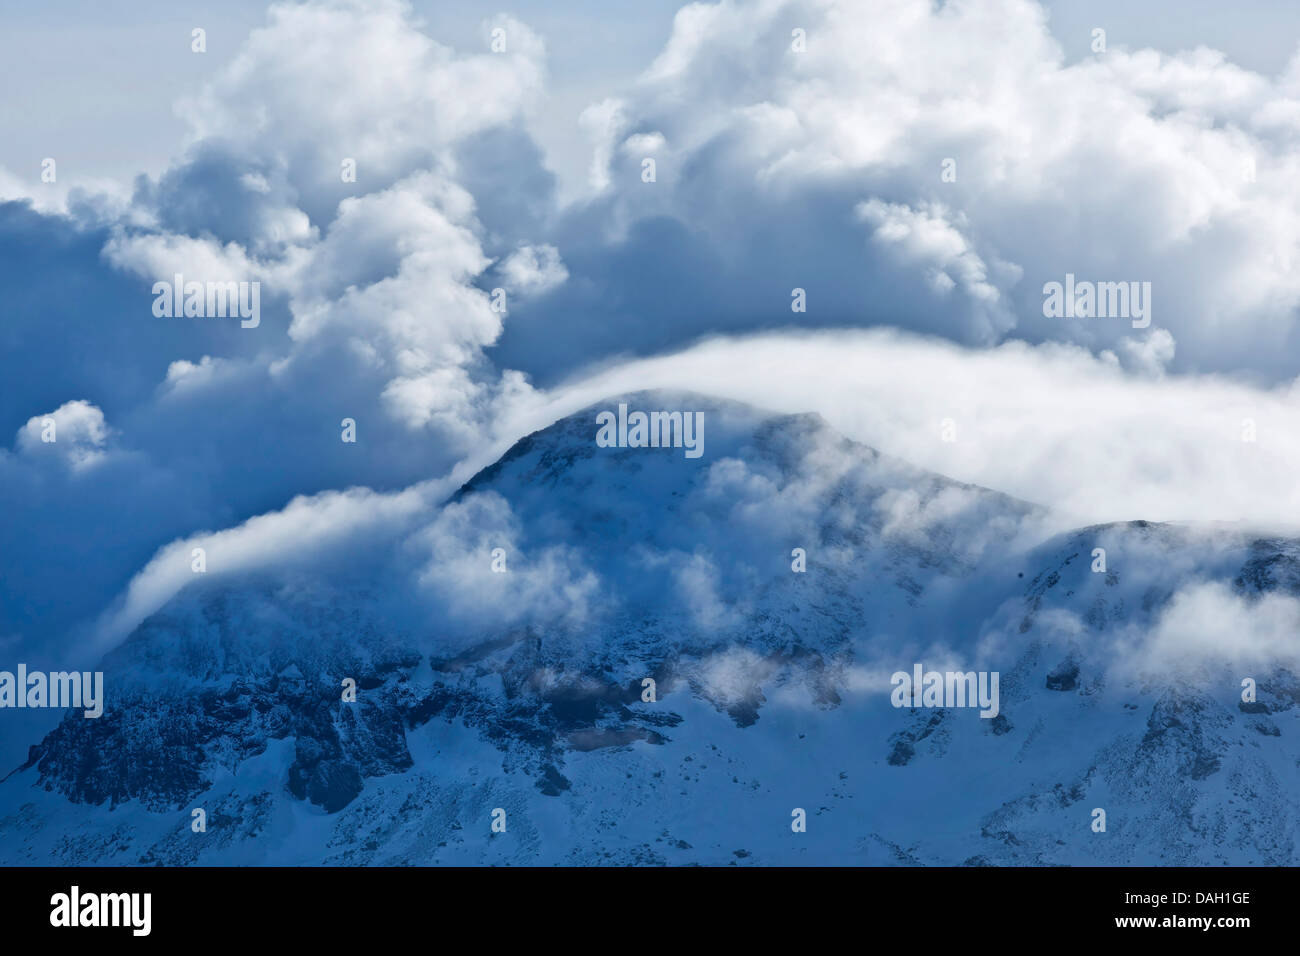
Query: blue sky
x=1168 y=158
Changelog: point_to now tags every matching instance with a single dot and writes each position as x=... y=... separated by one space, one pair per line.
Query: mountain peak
x=621 y=627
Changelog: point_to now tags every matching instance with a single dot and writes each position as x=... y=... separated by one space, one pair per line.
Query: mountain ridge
x=489 y=690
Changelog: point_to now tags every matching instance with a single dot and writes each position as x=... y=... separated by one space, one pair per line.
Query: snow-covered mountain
x=500 y=646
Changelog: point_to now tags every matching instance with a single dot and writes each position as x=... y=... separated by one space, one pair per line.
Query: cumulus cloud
x=86 y=199
x=406 y=306
x=385 y=279
x=357 y=79
x=350 y=216
x=161 y=256
x=533 y=270
x=74 y=433
x=601 y=122
x=183 y=374
x=1150 y=354
x=773 y=158
x=369 y=289
x=924 y=236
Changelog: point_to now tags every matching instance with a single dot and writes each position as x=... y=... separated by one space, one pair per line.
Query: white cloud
x=337 y=79
x=1175 y=169
x=925 y=236
x=533 y=270
x=1051 y=424
x=110 y=199
x=1150 y=354
x=161 y=256
x=183 y=374
x=539 y=586
x=1205 y=622
x=602 y=122
x=698 y=594
x=307 y=529
x=74 y=433
x=386 y=279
